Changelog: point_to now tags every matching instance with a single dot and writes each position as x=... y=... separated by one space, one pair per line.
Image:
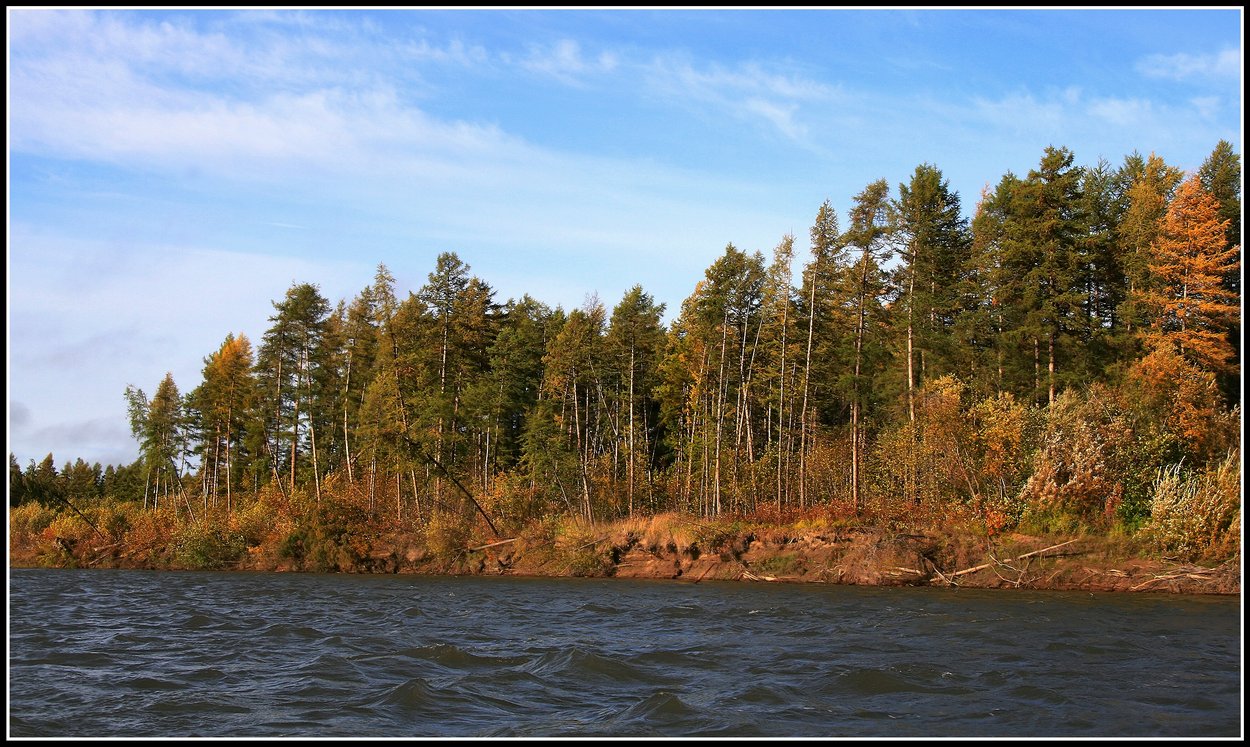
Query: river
x=112 y=653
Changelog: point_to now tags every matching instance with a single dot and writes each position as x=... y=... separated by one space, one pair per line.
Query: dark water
x=136 y=653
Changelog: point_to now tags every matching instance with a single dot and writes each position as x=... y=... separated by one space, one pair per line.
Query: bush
x=256 y=521
x=203 y=545
x=583 y=551
x=447 y=535
x=721 y=537
x=1197 y=515
x=1097 y=460
x=789 y=564
x=27 y=521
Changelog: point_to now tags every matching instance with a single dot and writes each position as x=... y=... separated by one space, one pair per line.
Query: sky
x=171 y=174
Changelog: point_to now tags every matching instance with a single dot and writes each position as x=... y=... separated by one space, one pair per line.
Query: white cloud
x=1019 y=112
x=564 y=62
x=1122 y=112
x=455 y=52
x=89 y=317
x=748 y=91
x=780 y=114
x=1206 y=106
x=1182 y=66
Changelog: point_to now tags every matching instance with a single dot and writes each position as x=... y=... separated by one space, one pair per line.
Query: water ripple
x=145 y=654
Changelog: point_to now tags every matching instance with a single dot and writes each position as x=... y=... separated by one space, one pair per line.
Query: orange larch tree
x=1190 y=307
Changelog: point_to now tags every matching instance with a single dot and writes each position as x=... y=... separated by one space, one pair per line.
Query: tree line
x=914 y=356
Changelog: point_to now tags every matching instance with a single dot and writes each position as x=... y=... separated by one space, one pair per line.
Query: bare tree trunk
x=807 y=374
x=1037 y=367
x=911 y=307
x=1050 y=348
x=856 y=445
x=632 y=452
x=720 y=408
x=781 y=396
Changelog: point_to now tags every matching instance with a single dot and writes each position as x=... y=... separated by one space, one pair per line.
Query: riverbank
x=686 y=549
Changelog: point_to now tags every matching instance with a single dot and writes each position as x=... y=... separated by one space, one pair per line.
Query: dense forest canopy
x=1070 y=351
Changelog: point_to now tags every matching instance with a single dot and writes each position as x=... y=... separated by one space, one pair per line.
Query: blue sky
x=171 y=174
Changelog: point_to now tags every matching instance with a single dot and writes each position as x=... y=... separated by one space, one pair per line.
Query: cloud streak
x=1184 y=66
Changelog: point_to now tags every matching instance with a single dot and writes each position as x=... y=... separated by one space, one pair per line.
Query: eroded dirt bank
x=754 y=554
x=860 y=557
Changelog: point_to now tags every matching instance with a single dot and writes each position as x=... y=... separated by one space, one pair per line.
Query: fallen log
x=992 y=563
x=1197 y=574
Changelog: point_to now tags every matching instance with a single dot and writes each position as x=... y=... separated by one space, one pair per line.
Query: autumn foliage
x=1064 y=361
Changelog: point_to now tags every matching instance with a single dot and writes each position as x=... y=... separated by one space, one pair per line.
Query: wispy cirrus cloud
x=1185 y=66
x=565 y=62
x=1072 y=117
x=750 y=91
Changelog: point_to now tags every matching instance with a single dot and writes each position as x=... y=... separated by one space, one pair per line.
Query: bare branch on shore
x=994 y=562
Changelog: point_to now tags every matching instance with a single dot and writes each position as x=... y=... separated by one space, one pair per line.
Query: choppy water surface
x=137 y=653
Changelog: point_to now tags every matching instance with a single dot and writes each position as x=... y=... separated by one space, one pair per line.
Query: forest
x=1067 y=360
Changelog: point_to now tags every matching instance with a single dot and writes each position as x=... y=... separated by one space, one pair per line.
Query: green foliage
x=724 y=537
x=204 y=545
x=331 y=537
x=785 y=564
x=1085 y=459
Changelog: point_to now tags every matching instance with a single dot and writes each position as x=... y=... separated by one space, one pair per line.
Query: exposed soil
x=843 y=556
x=858 y=557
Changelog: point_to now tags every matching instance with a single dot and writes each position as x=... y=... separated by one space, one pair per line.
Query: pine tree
x=1146 y=201
x=1221 y=176
x=1044 y=262
x=291 y=353
x=823 y=318
x=865 y=289
x=934 y=245
x=159 y=426
x=987 y=325
x=781 y=355
x=633 y=345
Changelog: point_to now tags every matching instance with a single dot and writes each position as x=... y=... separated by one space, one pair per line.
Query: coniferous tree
x=934 y=245
x=781 y=356
x=288 y=364
x=987 y=325
x=1221 y=176
x=159 y=427
x=633 y=345
x=18 y=493
x=1190 y=308
x=824 y=316
x=1044 y=265
x=864 y=290
x=1153 y=183
x=224 y=403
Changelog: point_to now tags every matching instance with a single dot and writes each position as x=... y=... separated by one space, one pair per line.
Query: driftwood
x=996 y=562
x=753 y=577
x=592 y=542
x=1193 y=572
x=707 y=571
x=939 y=573
x=493 y=544
x=907 y=570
